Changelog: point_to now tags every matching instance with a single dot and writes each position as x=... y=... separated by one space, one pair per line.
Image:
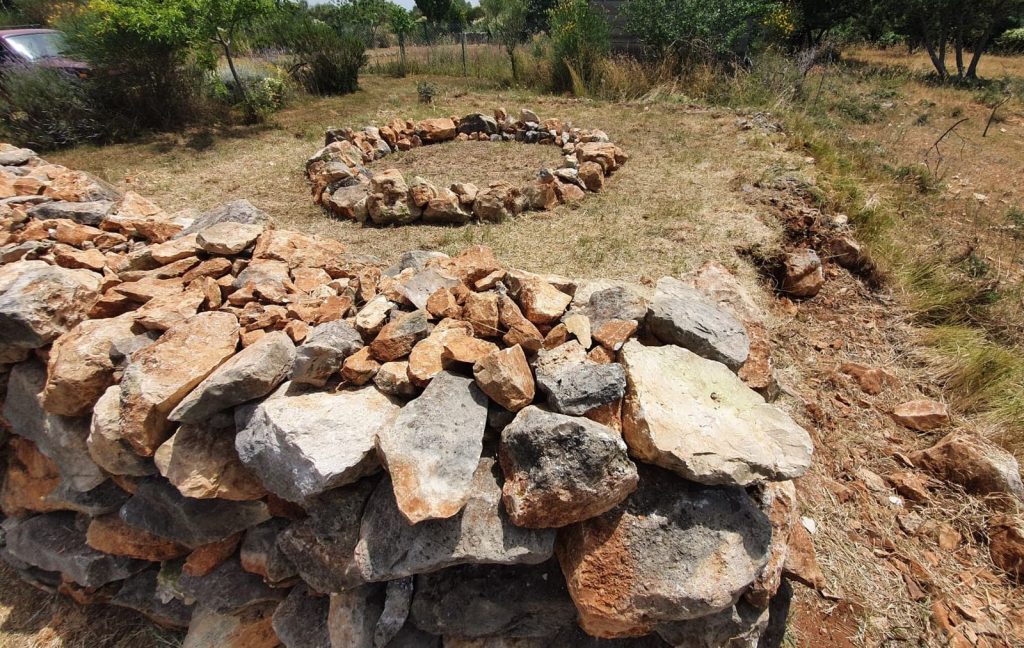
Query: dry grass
x=477 y=162
x=992 y=66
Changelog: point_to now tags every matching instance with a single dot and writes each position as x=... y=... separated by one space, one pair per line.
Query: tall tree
x=435 y=10
x=506 y=20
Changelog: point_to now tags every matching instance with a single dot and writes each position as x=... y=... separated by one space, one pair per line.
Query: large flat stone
x=252 y=373
x=202 y=463
x=673 y=551
x=39 y=302
x=158 y=507
x=389 y=547
x=89 y=212
x=301 y=443
x=562 y=469
x=237 y=211
x=695 y=417
x=682 y=315
x=158 y=377
x=323 y=352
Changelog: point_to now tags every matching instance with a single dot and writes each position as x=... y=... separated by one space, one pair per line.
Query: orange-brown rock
x=297 y=249
x=481 y=310
x=506 y=378
x=427 y=358
x=442 y=304
x=870 y=379
x=609 y=414
x=205 y=558
x=399 y=336
x=613 y=333
x=432 y=131
x=556 y=337
x=592 y=176
x=250 y=627
x=1006 y=545
x=71 y=233
x=601 y=355
x=974 y=463
x=469 y=266
x=165 y=311
x=465 y=349
x=79 y=186
x=518 y=329
x=31 y=476
x=359 y=368
x=202 y=463
x=69 y=257
x=921 y=415
x=308 y=279
x=109 y=534
x=541 y=302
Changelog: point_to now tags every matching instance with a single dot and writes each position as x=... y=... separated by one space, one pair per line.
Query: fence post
x=465 y=72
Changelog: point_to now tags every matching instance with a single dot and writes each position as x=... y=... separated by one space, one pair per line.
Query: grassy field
x=862 y=136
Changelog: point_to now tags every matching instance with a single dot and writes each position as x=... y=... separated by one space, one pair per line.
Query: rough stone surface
x=301 y=443
x=202 y=463
x=158 y=507
x=1006 y=545
x=55 y=542
x=433 y=447
x=681 y=315
x=104 y=443
x=575 y=389
x=921 y=415
x=161 y=375
x=300 y=621
x=474 y=601
x=322 y=546
x=352 y=616
x=139 y=593
x=227 y=588
x=260 y=554
x=695 y=417
x=250 y=627
x=324 y=351
x=240 y=212
x=61 y=438
x=399 y=336
x=389 y=547
x=86 y=213
x=506 y=378
x=562 y=469
x=673 y=551
x=112 y=535
x=737 y=627
x=974 y=463
x=228 y=238
x=252 y=373
x=802 y=275
x=39 y=302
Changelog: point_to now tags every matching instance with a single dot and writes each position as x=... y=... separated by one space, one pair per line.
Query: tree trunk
x=938 y=61
x=512 y=59
x=226 y=44
x=979 y=47
x=401 y=51
x=959 y=45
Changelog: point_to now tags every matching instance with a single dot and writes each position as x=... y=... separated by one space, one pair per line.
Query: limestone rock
x=399 y=336
x=562 y=469
x=481 y=310
x=202 y=463
x=541 y=302
x=252 y=373
x=736 y=627
x=250 y=627
x=359 y=368
x=61 y=438
x=161 y=375
x=673 y=551
x=39 y=302
x=324 y=351
x=397 y=601
x=1006 y=545
x=464 y=349
x=112 y=535
x=139 y=593
x=301 y=443
x=439 y=129
x=238 y=212
x=373 y=315
x=473 y=601
x=353 y=614
x=389 y=547
x=158 y=507
x=56 y=542
x=227 y=588
x=423 y=284
x=695 y=417
x=228 y=238
x=393 y=379
x=681 y=315
x=322 y=546
x=575 y=389
x=260 y=554
x=433 y=447
x=506 y=378
x=300 y=621
x=601 y=302
x=802 y=274
x=921 y=415
x=974 y=463
x=104 y=443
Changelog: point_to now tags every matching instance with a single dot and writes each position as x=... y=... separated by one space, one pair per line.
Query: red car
x=37 y=47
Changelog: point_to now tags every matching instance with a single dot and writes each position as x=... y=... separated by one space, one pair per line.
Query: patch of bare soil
x=476 y=162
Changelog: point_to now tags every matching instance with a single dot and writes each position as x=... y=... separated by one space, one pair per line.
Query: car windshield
x=38 y=46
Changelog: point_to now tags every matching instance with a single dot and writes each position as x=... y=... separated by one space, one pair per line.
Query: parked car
x=37 y=47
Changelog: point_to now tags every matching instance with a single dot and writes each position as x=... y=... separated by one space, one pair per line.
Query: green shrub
x=1012 y=41
x=580 y=43
x=45 y=109
x=327 y=63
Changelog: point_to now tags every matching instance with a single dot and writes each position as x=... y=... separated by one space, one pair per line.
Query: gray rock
x=61 y=438
x=477 y=123
x=614 y=302
x=433 y=447
x=39 y=302
x=55 y=542
x=300 y=621
x=673 y=551
x=412 y=637
x=323 y=352
x=695 y=417
x=252 y=373
x=302 y=443
x=158 y=507
x=736 y=627
x=415 y=259
x=16 y=156
x=260 y=554
x=353 y=615
x=105 y=498
x=86 y=213
x=236 y=211
x=249 y=627
x=139 y=593
x=227 y=588
x=575 y=389
x=397 y=601
x=473 y=601
x=682 y=315
x=322 y=546
x=562 y=469
x=423 y=284
x=389 y=547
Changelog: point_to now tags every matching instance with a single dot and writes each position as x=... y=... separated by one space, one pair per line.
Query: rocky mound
x=343 y=185
x=264 y=438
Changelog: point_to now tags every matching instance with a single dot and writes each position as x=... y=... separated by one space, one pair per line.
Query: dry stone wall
x=346 y=188
x=264 y=438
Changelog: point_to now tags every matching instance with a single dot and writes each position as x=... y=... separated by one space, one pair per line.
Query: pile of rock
x=343 y=185
x=255 y=435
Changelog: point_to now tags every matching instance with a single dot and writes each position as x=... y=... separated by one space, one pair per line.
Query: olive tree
x=507 y=22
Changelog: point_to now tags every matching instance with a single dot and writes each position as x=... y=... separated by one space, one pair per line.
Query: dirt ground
x=686 y=196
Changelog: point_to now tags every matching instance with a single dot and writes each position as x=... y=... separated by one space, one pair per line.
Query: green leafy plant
x=580 y=37
x=506 y=20
x=46 y=109
x=426 y=91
